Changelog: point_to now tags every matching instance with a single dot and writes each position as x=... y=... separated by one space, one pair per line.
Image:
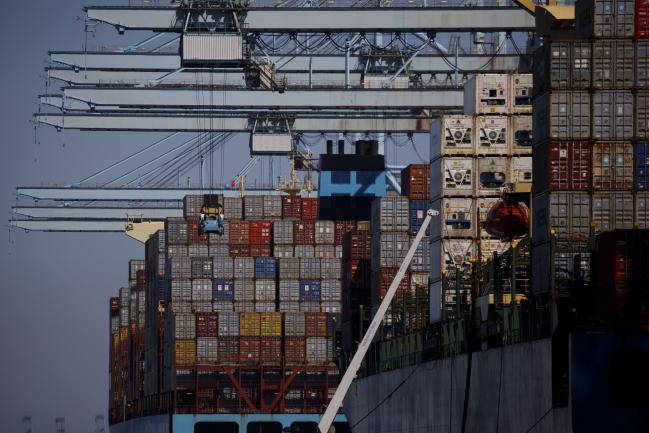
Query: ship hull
x=510 y=391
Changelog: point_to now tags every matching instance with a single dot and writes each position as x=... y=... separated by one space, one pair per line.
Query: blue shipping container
x=265 y=268
x=223 y=290
x=418 y=209
x=309 y=290
x=642 y=165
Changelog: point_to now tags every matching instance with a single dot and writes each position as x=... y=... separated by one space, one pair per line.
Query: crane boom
x=354 y=365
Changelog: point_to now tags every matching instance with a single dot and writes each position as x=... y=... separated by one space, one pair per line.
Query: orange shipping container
x=185 y=353
x=316 y=324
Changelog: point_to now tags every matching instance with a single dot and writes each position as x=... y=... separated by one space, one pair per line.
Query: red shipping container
x=261 y=232
x=207 y=324
x=194 y=233
x=295 y=350
x=316 y=324
x=260 y=251
x=239 y=232
x=415 y=181
x=382 y=280
x=642 y=19
x=342 y=227
x=570 y=165
x=304 y=232
x=291 y=206
x=228 y=350
x=309 y=209
x=240 y=250
x=249 y=350
x=357 y=244
x=271 y=351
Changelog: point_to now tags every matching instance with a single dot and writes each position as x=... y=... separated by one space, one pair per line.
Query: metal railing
x=346 y=3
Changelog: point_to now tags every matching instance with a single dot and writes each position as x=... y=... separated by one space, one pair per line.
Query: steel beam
x=97 y=213
x=130 y=194
x=442 y=98
x=69 y=226
x=383 y=20
x=148 y=63
x=186 y=123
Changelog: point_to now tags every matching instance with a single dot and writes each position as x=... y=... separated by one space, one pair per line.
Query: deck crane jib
x=212 y=34
x=271 y=136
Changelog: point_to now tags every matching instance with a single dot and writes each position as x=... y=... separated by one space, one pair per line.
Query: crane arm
x=354 y=365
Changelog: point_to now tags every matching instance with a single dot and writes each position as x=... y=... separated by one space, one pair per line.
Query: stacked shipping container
x=214 y=303
x=473 y=156
x=591 y=107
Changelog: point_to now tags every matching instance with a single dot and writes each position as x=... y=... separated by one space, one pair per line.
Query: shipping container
x=304 y=232
x=310 y=290
x=289 y=306
x=492 y=173
x=448 y=254
x=520 y=134
x=642 y=114
x=390 y=214
x=201 y=290
x=289 y=290
x=452 y=135
x=331 y=307
x=183 y=326
x=198 y=250
x=291 y=207
x=244 y=290
x=521 y=170
x=239 y=232
x=456 y=219
x=316 y=324
x=641 y=219
x=562 y=115
x=271 y=351
x=223 y=290
x=613 y=64
x=207 y=325
x=317 y=350
x=220 y=239
x=228 y=324
x=207 y=350
x=604 y=18
x=265 y=291
x=265 y=267
x=381 y=280
x=418 y=211
x=223 y=267
x=490 y=246
x=325 y=251
x=283 y=232
x=330 y=268
x=613 y=166
x=284 y=251
x=249 y=350
x=181 y=290
x=249 y=324
x=228 y=350
x=304 y=251
x=179 y=268
x=295 y=350
x=257 y=250
x=342 y=227
x=562 y=65
x=452 y=177
x=194 y=234
x=222 y=307
x=324 y=232
x=289 y=268
x=415 y=181
x=487 y=94
x=389 y=249
x=520 y=92
x=309 y=209
x=358 y=245
x=484 y=204
x=211 y=48
x=613 y=115
x=202 y=267
x=612 y=210
x=233 y=208
x=294 y=325
x=642 y=63
x=185 y=353
x=310 y=268
x=176 y=231
x=253 y=207
x=261 y=232
x=566 y=213
x=421 y=259
x=244 y=267
x=568 y=164
x=492 y=135
x=192 y=206
x=271 y=324
x=272 y=207
x=642 y=166
x=219 y=251
x=330 y=290
x=642 y=20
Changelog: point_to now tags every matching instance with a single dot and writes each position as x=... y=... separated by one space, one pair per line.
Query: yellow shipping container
x=249 y=324
x=185 y=352
x=123 y=334
x=271 y=324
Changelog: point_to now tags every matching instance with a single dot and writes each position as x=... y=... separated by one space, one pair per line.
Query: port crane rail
x=363 y=347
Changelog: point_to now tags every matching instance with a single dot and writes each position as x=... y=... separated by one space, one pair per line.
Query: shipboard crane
x=363 y=347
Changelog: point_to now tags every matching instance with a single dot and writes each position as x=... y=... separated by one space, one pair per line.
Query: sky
x=55 y=287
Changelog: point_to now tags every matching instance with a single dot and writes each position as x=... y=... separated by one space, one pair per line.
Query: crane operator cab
x=212 y=216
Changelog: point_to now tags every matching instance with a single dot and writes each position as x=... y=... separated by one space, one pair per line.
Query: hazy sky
x=55 y=286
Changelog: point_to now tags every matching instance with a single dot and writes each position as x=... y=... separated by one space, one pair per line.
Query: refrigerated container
x=521 y=134
x=452 y=135
x=456 y=219
x=520 y=92
x=492 y=173
x=487 y=94
x=521 y=170
x=492 y=135
x=452 y=177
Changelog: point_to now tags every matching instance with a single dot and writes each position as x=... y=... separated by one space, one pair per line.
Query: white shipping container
x=207 y=350
x=265 y=291
x=521 y=134
x=487 y=94
x=331 y=268
x=484 y=204
x=331 y=307
x=202 y=290
x=310 y=268
x=489 y=246
x=184 y=326
x=492 y=135
x=265 y=144
x=339 y=251
x=456 y=219
x=452 y=135
x=449 y=254
x=212 y=47
x=520 y=91
x=493 y=174
x=228 y=324
x=304 y=251
x=180 y=307
x=181 y=290
x=324 y=232
x=330 y=290
x=289 y=290
x=521 y=169
x=452 y=177
x=198 y=250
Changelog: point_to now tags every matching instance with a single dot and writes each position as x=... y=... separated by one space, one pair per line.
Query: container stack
x=264 y=296
x=473 y=157
x=591 y=111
